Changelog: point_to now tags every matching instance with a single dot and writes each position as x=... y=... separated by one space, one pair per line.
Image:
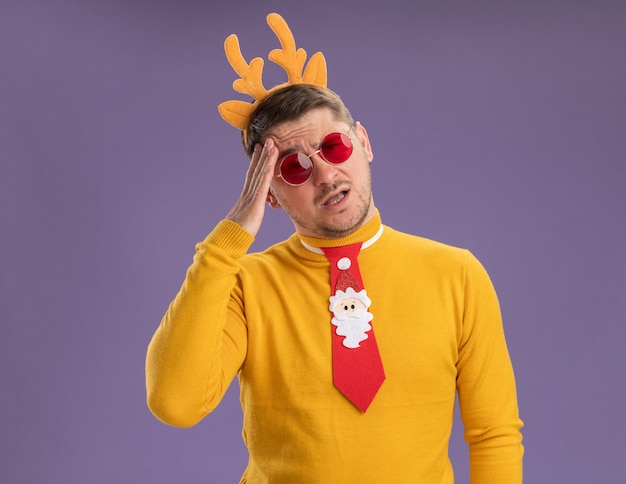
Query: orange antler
x=251 y=81
x=288 y=57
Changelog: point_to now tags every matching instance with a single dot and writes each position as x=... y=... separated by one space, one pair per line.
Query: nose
x=324 y=173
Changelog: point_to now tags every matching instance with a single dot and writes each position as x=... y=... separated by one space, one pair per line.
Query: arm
x=486 y=386
x=202 y=340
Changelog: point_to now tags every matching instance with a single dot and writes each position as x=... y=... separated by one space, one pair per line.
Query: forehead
x=311 y=126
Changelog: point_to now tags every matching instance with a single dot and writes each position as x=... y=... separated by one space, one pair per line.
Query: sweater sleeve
x=202 y=340
x=486 y=386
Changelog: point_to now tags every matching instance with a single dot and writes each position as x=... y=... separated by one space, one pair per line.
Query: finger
x=268 y=159
x=256 y=157
x=254 y=162
x=262 y=171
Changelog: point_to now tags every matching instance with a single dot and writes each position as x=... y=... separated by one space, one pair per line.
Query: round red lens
x=336 y=147
x=296 y=168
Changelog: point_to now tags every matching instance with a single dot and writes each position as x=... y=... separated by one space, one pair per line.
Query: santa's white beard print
x=353 y=325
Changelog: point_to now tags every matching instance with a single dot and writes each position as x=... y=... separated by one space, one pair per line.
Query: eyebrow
x=288 y=151
x=297 y=149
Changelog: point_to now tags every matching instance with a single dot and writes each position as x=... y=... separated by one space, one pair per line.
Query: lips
x=335 y=199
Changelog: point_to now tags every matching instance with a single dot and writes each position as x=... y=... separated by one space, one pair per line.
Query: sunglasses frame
x=316 y=152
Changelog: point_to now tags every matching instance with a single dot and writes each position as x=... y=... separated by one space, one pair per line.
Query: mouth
x=335 y=199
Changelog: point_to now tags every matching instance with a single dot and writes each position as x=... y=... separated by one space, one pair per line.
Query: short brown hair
x=289 y=104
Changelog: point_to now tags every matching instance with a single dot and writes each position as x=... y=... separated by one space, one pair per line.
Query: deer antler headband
x=291 y=60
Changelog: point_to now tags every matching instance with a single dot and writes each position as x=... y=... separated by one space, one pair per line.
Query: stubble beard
x=335 y=231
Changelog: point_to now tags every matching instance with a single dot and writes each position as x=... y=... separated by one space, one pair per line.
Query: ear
x=272 y=200
x=361 y=133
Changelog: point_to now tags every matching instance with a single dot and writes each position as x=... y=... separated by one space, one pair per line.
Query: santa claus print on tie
x=350 y=308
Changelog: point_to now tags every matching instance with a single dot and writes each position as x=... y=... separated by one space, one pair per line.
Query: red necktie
x=357 y=368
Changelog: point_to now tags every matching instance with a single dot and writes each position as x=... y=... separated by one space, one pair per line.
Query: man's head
x=290 y=104
x=324 y=185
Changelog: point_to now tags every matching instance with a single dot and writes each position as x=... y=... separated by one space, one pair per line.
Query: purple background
x=496 y=125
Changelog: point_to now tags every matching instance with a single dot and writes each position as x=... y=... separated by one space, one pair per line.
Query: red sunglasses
x=296 y=168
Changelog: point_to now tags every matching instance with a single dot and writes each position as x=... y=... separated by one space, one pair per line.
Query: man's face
x=337 y=198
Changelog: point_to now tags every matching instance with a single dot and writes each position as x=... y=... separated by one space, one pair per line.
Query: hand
x=249 y=210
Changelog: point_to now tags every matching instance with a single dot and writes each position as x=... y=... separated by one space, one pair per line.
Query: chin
x=343 y=228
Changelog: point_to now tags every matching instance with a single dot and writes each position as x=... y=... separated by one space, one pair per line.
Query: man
x=350 y=339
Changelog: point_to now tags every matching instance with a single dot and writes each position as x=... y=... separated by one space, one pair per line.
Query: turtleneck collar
x=368 y=234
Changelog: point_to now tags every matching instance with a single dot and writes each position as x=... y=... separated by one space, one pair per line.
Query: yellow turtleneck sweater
x=264 y=317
